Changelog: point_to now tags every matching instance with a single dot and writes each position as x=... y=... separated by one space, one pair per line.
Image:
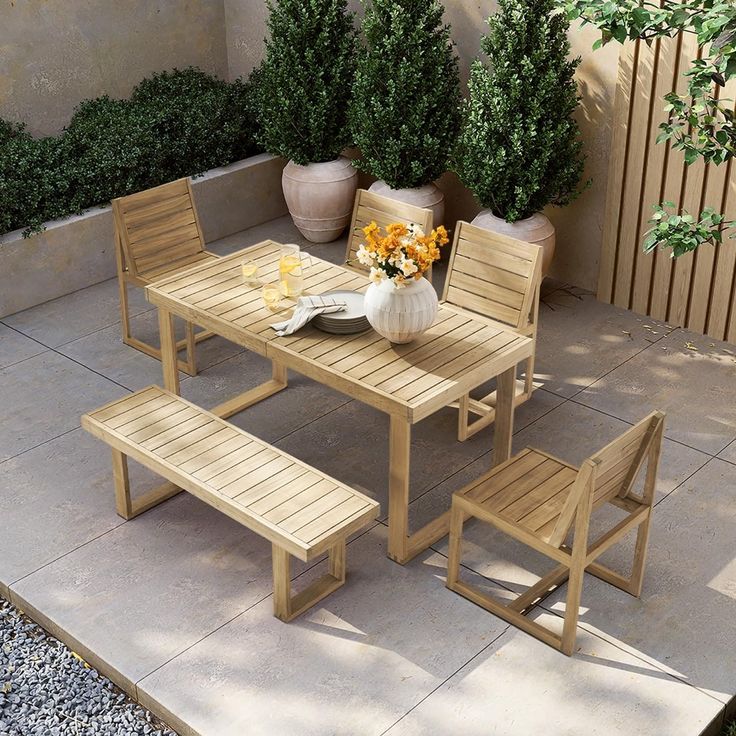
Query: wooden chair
x=370 y=207
x=157 y=234
x=536 y=498
x=499 y=278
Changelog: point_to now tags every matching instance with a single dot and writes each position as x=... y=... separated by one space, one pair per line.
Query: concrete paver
x=144 y=600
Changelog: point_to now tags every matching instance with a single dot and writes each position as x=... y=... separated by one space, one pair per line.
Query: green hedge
x=175 y=124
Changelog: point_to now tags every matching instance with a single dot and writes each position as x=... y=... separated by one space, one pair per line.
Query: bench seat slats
x=284 y=500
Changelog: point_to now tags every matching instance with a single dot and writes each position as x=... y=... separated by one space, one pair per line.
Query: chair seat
x=529 y=490
x=173 y=267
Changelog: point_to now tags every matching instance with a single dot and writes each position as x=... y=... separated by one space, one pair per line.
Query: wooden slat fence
x=697 y=291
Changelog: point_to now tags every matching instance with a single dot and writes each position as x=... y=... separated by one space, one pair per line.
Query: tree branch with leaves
x=700 y=122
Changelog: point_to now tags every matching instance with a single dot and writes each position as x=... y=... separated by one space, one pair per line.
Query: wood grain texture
x=460 y=351
x=158 y=233
x=536 y=499
x=500 y=278
x=370 y=207
x=697 y=290
x=247 y=479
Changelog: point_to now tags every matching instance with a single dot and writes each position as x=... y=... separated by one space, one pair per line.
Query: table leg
x=504 y=422
x=168 y=350
x=398 y=488
x=402 y=546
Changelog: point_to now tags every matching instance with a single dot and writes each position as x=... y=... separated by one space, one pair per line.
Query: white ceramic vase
x=320 y=197
x=401 y=314
x=429 y=196
x=537 y=230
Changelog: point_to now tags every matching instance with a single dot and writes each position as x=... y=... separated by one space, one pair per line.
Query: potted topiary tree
x=519 y=148
x=303 y=88
x=404 y=110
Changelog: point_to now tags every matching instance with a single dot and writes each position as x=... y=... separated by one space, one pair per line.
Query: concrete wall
x=579 y=227
x=54 y=53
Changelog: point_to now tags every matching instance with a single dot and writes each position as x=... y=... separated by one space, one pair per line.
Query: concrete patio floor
x=175 y=605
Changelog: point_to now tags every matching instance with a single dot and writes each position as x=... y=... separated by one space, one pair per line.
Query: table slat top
x=459 y=352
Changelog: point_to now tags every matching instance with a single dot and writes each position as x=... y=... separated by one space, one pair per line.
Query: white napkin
x=308 y=307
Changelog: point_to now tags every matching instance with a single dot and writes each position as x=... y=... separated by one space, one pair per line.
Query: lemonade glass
x=271 y=295
x=291 y=270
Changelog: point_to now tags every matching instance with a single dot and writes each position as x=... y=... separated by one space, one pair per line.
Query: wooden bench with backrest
x=300 y=510
x=499 y=278
x=538 y=499
x=158 y=234
x=370 y=207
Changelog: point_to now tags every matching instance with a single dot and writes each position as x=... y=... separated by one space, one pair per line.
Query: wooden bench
x=300 y=510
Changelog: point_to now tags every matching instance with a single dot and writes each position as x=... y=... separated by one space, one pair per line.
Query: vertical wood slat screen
x=698 y=290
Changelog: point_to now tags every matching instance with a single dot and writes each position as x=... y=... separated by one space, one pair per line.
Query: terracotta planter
x=429 y=196
x=401 y=314
x=536 y=229
x=320 y=197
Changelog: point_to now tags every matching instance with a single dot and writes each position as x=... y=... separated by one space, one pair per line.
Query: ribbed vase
x=401 y=314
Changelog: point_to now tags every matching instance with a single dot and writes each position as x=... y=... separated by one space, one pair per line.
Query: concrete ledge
x=78 y=251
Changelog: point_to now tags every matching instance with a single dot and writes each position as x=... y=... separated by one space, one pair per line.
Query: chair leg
x=455 y=545
x=577 y=572
x=529 y=377
x=640 y=557
x=124 y=311
x=572 y=605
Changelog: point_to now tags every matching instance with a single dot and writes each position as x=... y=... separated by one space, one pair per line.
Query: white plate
x=355 y=309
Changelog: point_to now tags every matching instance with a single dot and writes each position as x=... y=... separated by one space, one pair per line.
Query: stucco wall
x=579 y=227
x=54 y=53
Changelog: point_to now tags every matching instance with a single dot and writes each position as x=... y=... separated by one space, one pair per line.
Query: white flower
x=376 y=275
x=399 y=281
x=415 y=230
x=365 y=256
x=408 y=267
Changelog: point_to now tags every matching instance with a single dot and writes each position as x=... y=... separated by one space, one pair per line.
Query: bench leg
x=288 y=607
x=128 y=507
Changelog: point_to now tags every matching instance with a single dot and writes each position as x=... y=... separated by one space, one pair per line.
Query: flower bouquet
x=401 y=253
x=399 y=303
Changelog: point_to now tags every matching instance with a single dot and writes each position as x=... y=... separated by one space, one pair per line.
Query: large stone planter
x=537 y=230
x=429 y=196
x=320 y=197
x=78 y=251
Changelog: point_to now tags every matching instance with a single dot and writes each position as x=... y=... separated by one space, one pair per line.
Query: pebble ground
x=47 y=690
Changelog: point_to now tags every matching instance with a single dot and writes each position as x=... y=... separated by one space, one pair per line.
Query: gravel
x=48 y=690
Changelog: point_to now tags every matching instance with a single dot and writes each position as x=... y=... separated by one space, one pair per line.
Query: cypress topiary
x=405 y=106
x=520 y=149
x=305 y=80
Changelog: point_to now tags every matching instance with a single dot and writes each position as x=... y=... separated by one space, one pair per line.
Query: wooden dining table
x=461 y=351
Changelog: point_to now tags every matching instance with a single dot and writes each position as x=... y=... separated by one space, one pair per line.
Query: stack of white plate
x=347 y=322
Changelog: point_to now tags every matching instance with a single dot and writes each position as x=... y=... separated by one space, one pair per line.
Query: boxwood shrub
x=175 y=124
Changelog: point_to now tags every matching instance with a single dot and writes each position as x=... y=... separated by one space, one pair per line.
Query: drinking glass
x=250 y=273
x=271 y=295
x=291 y=270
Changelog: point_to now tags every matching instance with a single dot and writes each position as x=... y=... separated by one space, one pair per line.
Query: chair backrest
x=157 y=226
x=493 y=275
x=370 y=207
x=612 y=471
